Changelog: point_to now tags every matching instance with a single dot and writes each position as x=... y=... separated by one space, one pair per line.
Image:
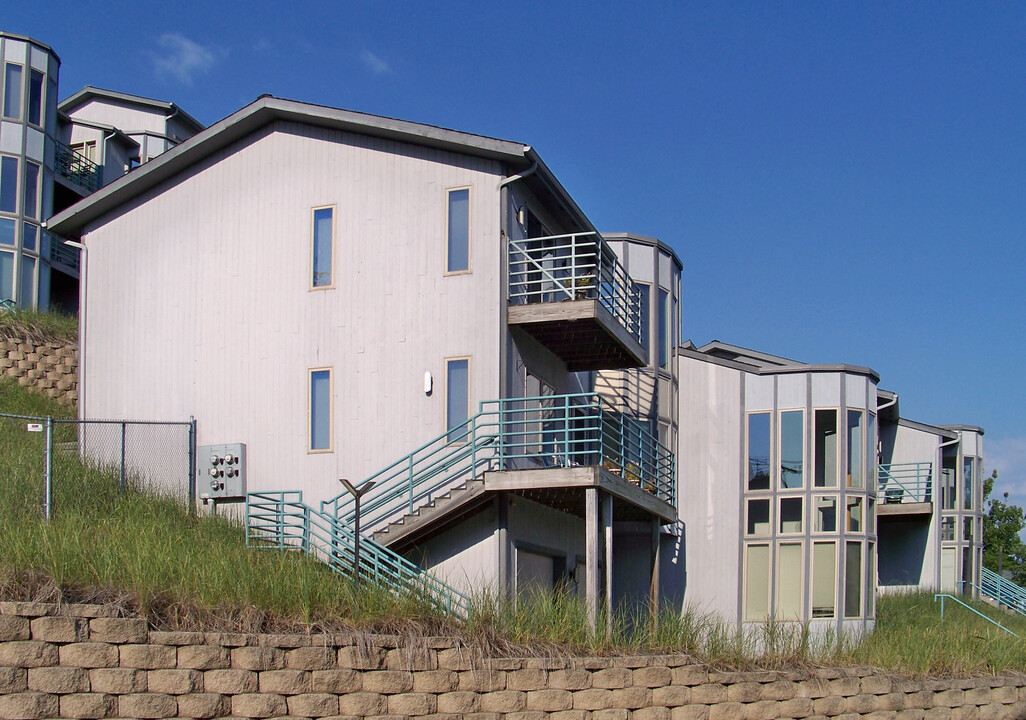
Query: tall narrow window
x=967 y=481
x=27 y=289
x=321 y=252
x=790 y=564
x=826 y=448
x=6 y=276
x=824 y=579
x=792 y=452
x=12 y=91
x=853 y=580
x=320 y=410
x=948 y=489
x=8 y=184
x=457 y=398
x=35 y=98
x=759 y=451
x=871 y=469
x=664 y=329
x=757 y=582
x=856 y=451
x=31 y=195
x=948 y=528
x=646 y=295
x=29 y=236
x=457 y=249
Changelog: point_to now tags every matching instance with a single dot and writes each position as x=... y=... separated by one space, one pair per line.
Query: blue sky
x=844 y=182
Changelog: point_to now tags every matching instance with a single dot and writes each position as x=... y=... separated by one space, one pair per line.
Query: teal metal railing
x=282 y=521
x=906 y=482
x=78 y=168
x=513 y=434
x=579 y=266
x=944 y=596
x=1002 y=590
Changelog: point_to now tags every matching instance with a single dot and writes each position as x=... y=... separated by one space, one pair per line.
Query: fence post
x=48 y=471
x=122 y=457
x=192 y=465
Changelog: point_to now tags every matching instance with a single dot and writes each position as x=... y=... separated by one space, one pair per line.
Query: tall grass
x=149 y=555
x=38 y=326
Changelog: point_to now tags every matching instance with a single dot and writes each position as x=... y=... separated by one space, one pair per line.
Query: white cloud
x=375 y=64
x=182 y=59
x=1008 y=457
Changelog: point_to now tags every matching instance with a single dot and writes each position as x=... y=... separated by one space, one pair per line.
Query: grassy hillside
x=151 y=556
x=37 y=326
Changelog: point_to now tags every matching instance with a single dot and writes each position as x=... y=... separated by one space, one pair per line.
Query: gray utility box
x=221 y=471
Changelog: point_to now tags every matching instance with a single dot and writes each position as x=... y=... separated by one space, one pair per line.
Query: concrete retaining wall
x=48 y=367
x=84 y=663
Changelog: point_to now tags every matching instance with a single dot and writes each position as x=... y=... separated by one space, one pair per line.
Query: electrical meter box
x=221 y=471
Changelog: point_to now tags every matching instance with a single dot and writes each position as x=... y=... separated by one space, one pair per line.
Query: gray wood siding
x=198 y=301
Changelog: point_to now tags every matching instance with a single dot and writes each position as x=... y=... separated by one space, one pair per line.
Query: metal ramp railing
x=512 y=434
x=1003 y=591
x=906 y=482
x=282 y=521
x=945 y=596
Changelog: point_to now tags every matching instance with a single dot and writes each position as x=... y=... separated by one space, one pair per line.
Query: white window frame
x=334 y=235
x=470 y=233
x=331 y=411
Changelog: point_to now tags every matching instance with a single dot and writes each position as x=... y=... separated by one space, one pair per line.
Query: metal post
x=192 y=465
x=48 y=471
x=122 y=457
x=591 y=549
x=357 y=493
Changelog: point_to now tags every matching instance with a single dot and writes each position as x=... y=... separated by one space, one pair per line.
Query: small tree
x=1003 y=549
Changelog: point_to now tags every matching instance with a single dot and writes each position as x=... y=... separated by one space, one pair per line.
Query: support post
x=591 y=544
x=653 y=587
x=48 y=471
x=192 y=466
x=502 y=533
x=607 y=529
x=122 y=457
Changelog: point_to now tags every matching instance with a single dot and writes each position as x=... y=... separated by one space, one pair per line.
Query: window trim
x=838 y=471
x=309 y=411
x=770 y=516
x=445 y=405
x=813 y=577
x=334 y=234
x=470 y=233
x=18 y=180
x=803 y=573
x=746 y=614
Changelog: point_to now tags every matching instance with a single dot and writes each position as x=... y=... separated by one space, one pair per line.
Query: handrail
x=63 y=254
x=75 y=166
x=511 y=434
x=282 y=521
x=906 y=482
x=1002 y=590
x=970 y=609
x=575 y=266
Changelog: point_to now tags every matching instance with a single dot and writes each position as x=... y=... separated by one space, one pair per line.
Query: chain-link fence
x=96 y=457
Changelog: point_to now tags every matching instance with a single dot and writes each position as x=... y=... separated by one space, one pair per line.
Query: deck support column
x=502 y=537
x=591 y=544
x=653 y=587
x=607 y=529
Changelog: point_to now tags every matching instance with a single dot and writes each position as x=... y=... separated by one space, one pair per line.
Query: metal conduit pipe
x=887 y=404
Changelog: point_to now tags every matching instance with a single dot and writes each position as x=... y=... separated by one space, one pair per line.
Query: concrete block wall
x=79 y=661
x=49 y=367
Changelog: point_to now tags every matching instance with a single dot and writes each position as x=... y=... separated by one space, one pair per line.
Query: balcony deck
x=572 y=295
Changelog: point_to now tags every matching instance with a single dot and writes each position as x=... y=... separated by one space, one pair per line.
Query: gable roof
x=267 y=109
x=89 y=92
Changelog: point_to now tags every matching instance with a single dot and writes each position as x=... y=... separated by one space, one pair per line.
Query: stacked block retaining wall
x=79 y=661
x=48 y=367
